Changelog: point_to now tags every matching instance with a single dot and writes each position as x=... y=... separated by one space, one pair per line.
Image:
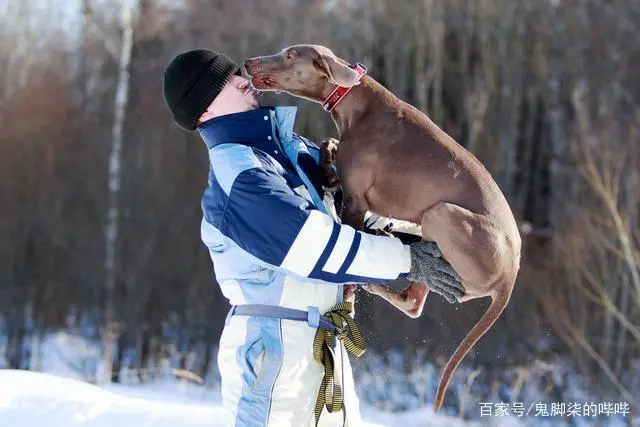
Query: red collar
x=334 y=98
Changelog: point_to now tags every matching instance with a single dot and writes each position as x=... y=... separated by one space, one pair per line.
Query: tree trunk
x=15 y=342
x=110 y=332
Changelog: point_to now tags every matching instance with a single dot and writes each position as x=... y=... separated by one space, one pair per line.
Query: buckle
x=361 y=67
x=313 y=316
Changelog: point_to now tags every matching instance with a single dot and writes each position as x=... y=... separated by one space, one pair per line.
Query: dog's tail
x=499 y=301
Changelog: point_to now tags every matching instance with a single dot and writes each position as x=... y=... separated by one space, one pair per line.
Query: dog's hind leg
x=410 y=301
x=479 y=251
x=470 y=243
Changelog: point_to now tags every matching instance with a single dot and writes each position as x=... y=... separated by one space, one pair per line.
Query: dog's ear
x=338 y=73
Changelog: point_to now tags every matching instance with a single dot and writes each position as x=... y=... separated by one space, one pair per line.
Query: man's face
x=236 y=96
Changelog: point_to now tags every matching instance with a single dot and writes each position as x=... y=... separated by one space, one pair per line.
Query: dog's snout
x=251 y=63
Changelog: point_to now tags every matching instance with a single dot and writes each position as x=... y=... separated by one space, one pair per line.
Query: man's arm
x=267 y=219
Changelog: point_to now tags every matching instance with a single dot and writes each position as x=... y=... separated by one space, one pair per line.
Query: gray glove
x=428 y=267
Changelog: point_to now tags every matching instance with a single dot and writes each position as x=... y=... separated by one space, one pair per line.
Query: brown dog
x=394 y=161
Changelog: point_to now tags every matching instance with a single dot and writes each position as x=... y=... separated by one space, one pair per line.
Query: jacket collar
x=269 y=129
x=260 y=128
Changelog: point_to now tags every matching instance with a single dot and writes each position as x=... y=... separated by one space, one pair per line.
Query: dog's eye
x=290 y=54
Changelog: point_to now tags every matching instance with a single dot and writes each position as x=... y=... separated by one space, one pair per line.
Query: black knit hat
x=192 y=81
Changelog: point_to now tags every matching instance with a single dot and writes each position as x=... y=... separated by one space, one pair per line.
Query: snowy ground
x=58 y=397
x=30 y=399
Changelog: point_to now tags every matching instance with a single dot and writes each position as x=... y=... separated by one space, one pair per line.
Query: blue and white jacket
x=261 y=227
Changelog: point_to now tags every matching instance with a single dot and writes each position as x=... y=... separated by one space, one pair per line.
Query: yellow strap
x=330 y=393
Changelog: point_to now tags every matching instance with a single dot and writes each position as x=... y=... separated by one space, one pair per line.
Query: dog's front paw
x=328 y=152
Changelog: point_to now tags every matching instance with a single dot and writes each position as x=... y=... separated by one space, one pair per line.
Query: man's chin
x=252 y=100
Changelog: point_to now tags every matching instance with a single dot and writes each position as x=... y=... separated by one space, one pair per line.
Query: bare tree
x=110 y=326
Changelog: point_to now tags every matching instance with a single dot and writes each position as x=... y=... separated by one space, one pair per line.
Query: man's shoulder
x=235 y=156
x=230 y=160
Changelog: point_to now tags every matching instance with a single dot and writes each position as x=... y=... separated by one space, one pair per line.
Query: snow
x=30 y=398
x=35 y=399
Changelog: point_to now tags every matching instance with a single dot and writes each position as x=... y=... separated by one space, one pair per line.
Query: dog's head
x=304 y=70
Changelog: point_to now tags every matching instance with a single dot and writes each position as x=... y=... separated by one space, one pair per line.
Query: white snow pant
x=270 y=378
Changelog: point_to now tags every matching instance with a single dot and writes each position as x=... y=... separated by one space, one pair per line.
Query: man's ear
x=339 y=73
x=205 y=116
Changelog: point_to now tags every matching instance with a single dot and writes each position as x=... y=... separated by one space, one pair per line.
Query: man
x=275 y=243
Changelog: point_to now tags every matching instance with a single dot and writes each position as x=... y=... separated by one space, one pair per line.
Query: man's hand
x=428 y=267
x=328 y=151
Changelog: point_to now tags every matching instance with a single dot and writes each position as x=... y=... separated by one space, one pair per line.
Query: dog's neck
x=354 y=104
